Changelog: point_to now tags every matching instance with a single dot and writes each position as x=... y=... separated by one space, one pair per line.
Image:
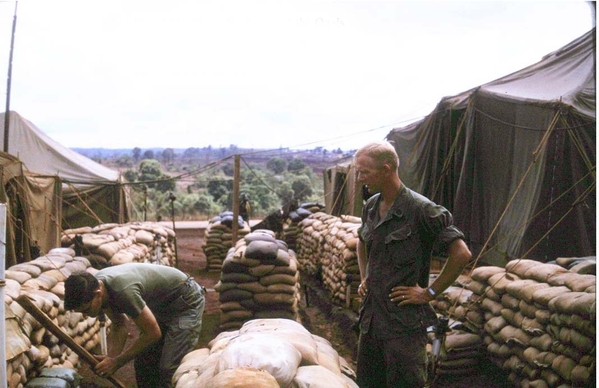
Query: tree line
x=196 y=187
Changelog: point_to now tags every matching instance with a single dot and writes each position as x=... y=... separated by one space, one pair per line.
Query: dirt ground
x=314 y=317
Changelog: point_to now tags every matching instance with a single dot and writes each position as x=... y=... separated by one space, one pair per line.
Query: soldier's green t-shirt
x=132 y=286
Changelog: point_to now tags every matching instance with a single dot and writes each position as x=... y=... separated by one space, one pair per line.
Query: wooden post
x=236 y=177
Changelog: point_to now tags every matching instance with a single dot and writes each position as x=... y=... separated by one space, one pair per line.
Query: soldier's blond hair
x=382 y=152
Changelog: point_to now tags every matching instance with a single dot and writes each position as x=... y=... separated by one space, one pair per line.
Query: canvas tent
x=88 y=193
x=514 y=159
x=33 y=202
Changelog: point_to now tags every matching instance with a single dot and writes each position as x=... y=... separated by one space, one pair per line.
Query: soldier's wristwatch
x=432 y=292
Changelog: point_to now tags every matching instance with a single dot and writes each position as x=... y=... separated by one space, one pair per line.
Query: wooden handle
x=48 y=324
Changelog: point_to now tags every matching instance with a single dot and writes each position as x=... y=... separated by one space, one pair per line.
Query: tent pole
x=9 y=79
x=236 y=178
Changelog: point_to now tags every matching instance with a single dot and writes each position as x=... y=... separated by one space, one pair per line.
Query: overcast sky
x=261 y=74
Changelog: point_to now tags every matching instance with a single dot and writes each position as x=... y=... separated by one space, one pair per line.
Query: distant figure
x=245 y=209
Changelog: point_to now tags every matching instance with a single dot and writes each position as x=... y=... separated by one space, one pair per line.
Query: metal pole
x=9 y=79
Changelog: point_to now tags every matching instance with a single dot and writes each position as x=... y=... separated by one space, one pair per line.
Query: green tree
x=148 y=154
x=228 y=169
x=131 y=175
x=194 y=205
x=168 y=155
x=150 y=171
x=302 y=188
x=136 y=154
x=124 y=161
x=276 y=165
x=219 y=186
x=191 y=154
x=285 y=193
x=296 y=165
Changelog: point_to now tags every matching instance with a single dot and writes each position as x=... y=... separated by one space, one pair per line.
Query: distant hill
x=318 y=152
x=318 y=158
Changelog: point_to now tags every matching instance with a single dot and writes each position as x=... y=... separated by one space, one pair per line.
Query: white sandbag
x=29 y=268
x=316 y=376
x=261 y=351
x=19 y=276
x=192 y=361
x=243 y=377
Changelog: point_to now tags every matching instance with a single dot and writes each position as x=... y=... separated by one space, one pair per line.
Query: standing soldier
x=245 y=210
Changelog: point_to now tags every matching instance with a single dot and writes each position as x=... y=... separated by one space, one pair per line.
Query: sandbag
x=542 y=272
x=520 y=266
x=19 y=276
x=243 y=377
x=263 y=250
x=277 y=357
x=482 y=274
x=31 y=269
x=543 y=296
x=316 y=376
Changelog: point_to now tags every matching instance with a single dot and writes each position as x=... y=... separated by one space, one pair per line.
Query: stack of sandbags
x=539 y=322
x=30 y=346
x=328 y=248
x=219 y=238
x=464 y=347
x=462 y=352
x=113 y=244
x=311 y=241
x=259 y=279
x=340 y=271
x=265 y=353
x=581 y=265
x=291 y=226
x=459 y=301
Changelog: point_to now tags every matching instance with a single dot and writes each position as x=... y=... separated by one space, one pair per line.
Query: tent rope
x=577 y=202
x=579 y=147
x=452 y=150
x=91 y=212
x=524 y=223
x=536 y=154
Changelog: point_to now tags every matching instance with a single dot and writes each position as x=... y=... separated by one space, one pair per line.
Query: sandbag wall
x=113 y=244
x=464 y=344
x=30 y=347
x=218 y=238
x=327 y=249
x=291 y=226
x=259 y=279
x=265 y=353
x=537 y=321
